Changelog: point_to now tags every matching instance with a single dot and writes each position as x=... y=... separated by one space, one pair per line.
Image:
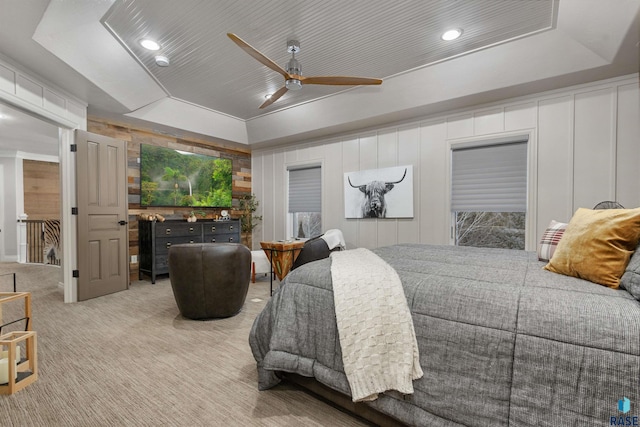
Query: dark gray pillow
x=631 y=278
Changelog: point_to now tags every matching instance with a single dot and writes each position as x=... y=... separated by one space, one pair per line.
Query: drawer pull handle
x=190 y=229
x=231 y=239
x=190 y=241
x=168 y=244
x=168 y=231
x=231 y=227
x=213 y=228
x=213 y=240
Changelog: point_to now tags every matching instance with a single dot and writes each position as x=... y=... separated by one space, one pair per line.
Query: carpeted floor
x=130 y=359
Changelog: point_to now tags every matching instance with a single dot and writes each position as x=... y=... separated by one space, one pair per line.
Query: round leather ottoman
x=209 y=280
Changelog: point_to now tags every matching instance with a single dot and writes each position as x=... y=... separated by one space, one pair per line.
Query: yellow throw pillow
x=597 y=245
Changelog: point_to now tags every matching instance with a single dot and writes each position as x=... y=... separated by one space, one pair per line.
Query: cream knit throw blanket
x=379 y=347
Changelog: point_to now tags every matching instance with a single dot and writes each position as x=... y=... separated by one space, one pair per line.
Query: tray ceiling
x=369 y=38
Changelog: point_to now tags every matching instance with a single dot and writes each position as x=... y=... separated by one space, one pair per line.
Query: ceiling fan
x=293 y=80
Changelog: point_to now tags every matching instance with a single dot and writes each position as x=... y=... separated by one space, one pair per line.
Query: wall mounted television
x=171 y=177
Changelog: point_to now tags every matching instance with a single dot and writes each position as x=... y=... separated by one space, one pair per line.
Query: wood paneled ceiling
x=369 y=38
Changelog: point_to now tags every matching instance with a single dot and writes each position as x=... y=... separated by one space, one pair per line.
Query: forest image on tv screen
x=177 y=178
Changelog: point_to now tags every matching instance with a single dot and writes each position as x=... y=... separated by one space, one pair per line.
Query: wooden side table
x=281 y=255
x=19 y=371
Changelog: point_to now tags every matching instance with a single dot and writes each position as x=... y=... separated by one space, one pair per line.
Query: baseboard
x=10 y=258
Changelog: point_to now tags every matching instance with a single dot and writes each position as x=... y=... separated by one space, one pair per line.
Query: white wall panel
x=350 y=163
x=368 y=227
x=29 y=91
x=291 y=156
x=486 y=122
x=280 y=197
x=77 y=113
x=522 y=116
x=302 y=154
x=387 y=233
x=55 y=103
x=387 y=148
x=332 y=187
x=269 y=219
x=7 y=80
x=460 y=127
x=409 y=154
x=594 y=148
x=588 y=150
x=433 y=190
x=628 y=147
x=315 y=152
x=555 y=161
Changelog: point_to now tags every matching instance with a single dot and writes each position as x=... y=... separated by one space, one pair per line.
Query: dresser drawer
x=221 y=227
x=164 y=243
x=179 y=229
x=222 y=238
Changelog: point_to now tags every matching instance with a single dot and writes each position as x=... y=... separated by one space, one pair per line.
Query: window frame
x=532 y=188
x=288 y=225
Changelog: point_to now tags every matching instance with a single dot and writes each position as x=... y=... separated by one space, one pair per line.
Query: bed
x=502 y=341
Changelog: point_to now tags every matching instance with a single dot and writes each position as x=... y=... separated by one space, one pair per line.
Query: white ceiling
x=89 y=49
x=369 y=38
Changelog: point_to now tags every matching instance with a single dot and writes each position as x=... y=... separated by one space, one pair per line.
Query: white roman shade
x=489 y=178
x=305 y=190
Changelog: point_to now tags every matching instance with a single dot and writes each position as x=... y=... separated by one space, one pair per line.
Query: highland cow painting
x=379 y=193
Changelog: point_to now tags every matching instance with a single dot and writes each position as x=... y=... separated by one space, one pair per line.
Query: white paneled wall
x=585 y=148
x=32 y=94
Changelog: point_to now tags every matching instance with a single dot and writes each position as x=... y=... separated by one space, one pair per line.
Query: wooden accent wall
x=41 y=189
x=241 y=164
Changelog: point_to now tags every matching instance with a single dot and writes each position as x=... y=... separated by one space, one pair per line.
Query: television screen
x=177 y=178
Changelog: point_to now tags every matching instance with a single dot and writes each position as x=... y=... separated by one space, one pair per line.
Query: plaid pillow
x=550 y=239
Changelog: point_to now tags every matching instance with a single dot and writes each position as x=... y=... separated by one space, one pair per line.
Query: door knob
x=122 y=222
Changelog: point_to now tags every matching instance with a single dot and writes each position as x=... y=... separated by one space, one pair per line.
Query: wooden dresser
x=155 y=239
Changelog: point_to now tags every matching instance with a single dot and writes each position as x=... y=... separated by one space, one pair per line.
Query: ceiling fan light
x=293 y=84
x=451 y=34
x=294 y=67
x=150 y=44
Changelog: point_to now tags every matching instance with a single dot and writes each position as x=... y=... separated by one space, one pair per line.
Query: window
x=489 y=194
x=305 y=202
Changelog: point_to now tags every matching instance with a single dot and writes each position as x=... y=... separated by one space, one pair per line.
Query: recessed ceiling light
x=150 y=44
x=451 y=34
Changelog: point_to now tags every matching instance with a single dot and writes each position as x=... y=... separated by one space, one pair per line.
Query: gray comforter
x=502 y=341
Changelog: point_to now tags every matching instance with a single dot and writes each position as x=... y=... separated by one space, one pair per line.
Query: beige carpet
x=130 y=359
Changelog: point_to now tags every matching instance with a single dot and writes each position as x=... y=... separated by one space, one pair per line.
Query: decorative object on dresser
x=155 y=239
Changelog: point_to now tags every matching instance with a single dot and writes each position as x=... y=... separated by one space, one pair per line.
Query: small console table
x=281 y=255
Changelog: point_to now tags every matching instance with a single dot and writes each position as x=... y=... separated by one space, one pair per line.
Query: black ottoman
x=209 y=280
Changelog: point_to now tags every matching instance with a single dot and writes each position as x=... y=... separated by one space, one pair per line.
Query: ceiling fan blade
x=257 y=55
x=274 y=97
x=340 y=81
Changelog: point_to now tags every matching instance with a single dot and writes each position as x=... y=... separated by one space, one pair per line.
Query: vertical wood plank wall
x=241 y=165
x=41 y=189
x=587 y=141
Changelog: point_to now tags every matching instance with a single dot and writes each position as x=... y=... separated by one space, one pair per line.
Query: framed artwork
x=379 y=193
